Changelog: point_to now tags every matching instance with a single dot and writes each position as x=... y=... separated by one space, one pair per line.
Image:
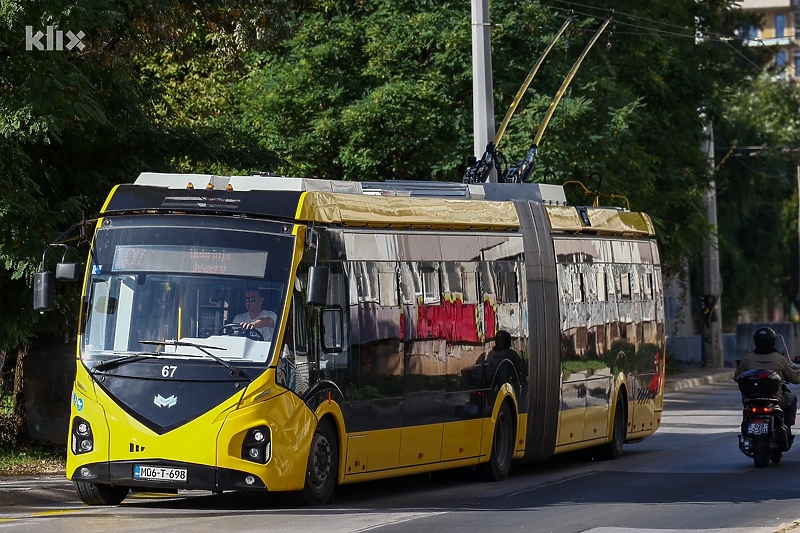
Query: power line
x=683 y=33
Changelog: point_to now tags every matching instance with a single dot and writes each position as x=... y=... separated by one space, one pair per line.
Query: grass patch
x=33 y=460
x=24 y=459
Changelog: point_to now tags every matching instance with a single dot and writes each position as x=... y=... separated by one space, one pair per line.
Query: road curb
x=680 y=382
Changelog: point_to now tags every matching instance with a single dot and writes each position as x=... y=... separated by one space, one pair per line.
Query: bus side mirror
x=317 y=285
x=44 y=291
x=67 y=272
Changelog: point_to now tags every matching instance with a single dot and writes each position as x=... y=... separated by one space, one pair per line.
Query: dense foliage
x=758 y=180
x=372 y=89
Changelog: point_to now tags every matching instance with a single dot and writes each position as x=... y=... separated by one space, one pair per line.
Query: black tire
x=96 y=494
x=499 y=464
x=761 y=452
x=322 y=469
x=613 y=449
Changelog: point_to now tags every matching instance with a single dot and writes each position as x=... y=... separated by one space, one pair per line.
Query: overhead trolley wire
x=683 y=32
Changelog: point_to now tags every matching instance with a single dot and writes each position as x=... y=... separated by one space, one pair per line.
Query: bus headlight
x=82 y=439
x=256 y=446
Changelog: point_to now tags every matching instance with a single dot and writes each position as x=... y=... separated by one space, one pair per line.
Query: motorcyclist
x=766 y=357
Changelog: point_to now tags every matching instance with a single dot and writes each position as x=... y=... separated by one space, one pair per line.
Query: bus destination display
x=190 y=260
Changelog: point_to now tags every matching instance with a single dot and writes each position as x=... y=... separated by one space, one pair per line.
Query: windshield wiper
x=123 y=359
x=235 y=372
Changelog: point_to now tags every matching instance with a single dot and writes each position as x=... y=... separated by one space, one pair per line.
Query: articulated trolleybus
x=405 y=327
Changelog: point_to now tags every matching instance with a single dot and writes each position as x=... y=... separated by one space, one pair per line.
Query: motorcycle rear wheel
x=761 y=453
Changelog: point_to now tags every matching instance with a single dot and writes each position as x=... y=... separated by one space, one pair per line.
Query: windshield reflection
x=125 y=309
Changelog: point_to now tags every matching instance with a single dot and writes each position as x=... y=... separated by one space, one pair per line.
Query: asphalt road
x=688 y=477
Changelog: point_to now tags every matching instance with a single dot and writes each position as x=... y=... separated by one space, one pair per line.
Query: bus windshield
x=186 y=285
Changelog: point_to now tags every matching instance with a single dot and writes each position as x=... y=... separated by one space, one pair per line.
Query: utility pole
x=482 y=87
x=713 y=356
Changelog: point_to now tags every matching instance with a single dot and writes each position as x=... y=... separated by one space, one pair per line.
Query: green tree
x=366 y=90
x=146 y=91
x=758 y=139
x=74 y=120
x=382 y=90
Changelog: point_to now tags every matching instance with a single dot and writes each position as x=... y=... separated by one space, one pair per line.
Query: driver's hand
x=246 y=325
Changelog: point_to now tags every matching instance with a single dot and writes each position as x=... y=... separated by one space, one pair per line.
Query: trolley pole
x=482 y=87
x=712 y=286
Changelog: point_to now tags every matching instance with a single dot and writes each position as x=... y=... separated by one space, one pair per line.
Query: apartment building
x=780 y=31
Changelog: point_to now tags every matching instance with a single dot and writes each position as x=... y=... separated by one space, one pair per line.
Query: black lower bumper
x=198 y=477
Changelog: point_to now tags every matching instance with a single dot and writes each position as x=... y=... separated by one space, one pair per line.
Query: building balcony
x=772 y=41
x=760 y=5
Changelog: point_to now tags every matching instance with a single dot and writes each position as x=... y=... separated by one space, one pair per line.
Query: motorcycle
x=765 y=437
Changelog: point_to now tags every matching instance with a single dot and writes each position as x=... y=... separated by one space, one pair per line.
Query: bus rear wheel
x=96 y=494
x=322 y=469
x=499 y=464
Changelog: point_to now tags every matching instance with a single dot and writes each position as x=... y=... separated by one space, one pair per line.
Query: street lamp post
x=713 y=356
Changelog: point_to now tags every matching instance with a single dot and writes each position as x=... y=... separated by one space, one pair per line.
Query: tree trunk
x=18 y=405
x=2 y=372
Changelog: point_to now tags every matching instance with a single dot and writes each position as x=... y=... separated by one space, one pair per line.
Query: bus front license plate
x=758 y=428
x=157 y=473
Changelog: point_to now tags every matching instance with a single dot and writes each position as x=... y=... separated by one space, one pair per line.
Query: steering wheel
x=235 y=330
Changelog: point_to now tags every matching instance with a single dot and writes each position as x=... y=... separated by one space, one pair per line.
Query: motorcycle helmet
x=765 y=338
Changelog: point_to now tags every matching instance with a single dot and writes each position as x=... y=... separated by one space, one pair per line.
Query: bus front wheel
x=96 y=494
x=322 y=469
x=502 y=448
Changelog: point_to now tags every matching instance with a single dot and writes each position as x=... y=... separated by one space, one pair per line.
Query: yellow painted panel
x=601 y=220
x=125 y=431
x=596 y=422
x=564 y=218
x=420 y=444
x=521 y=432
x=644 y=416
x=87 y=408
x=358 y=446
x=409 y=470
x=462 y=439
x=570 y=426
x=621 y=222
x=405 y=211
x=291 y=426
x=385 y=449
x=213 y=439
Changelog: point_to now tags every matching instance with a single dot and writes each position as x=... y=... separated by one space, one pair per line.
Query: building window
x=750 y=32
x=796 y=61
x=781 y=59
x=797 y=25
x=780 y=25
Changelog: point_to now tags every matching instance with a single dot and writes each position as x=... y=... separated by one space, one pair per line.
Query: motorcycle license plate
x=758 y=428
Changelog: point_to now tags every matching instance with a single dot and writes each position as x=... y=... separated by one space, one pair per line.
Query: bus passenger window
x=507 y=287
x=410 y=283
x=293 y=370
x=430 y=284
x=332 y=334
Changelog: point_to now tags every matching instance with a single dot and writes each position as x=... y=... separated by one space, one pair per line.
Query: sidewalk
x=692 y=377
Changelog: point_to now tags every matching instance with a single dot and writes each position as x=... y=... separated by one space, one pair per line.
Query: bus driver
x=256 y=317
